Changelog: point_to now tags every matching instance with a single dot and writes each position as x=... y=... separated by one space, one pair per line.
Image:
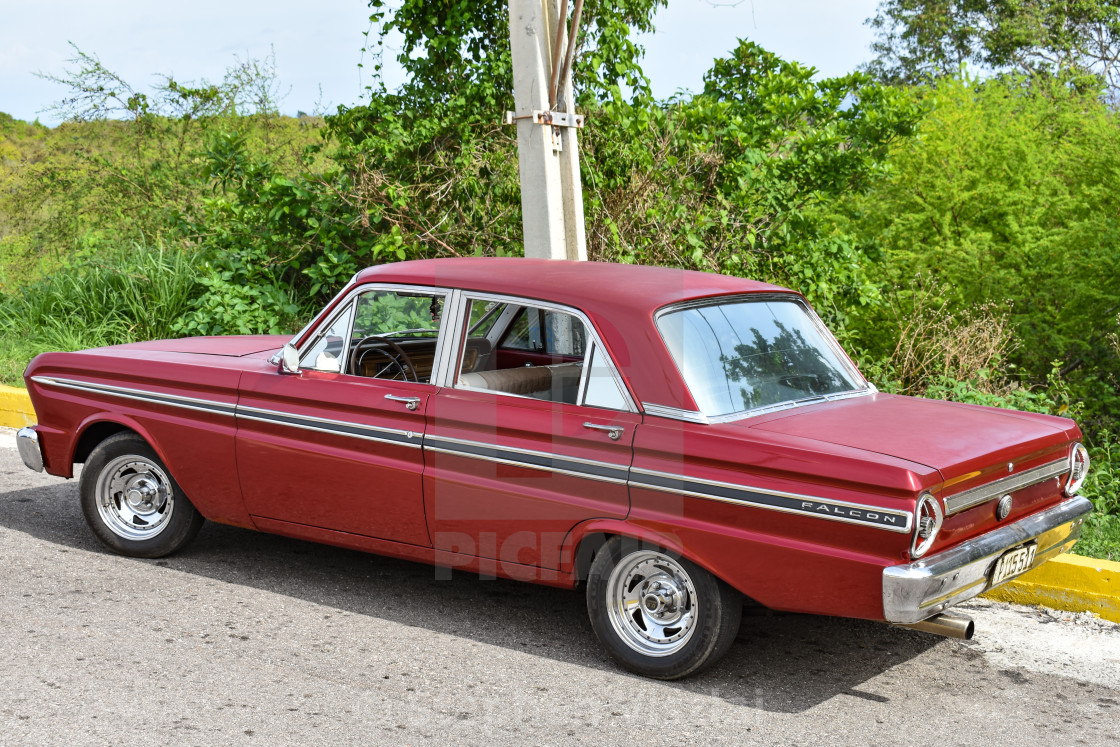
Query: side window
x=542 y=355
x=329 y=349
x=602 y=387
x=382 y=334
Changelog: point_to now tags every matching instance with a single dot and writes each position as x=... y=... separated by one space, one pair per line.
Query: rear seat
x=559 y=382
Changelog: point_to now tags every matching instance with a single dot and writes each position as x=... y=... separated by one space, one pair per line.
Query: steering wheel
x=397 y=357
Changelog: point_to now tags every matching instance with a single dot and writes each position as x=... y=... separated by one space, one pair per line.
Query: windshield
x=743 y=355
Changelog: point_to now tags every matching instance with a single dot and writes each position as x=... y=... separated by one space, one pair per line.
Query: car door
x=338 y=446
x=516 y=456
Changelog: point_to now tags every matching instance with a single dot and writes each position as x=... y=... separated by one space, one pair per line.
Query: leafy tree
x=734 y=179
x=423 y=170
x=920 y=39
x=1010 y=194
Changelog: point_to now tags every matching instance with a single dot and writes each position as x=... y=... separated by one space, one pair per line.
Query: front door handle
x=613 y=431
x=410 y=402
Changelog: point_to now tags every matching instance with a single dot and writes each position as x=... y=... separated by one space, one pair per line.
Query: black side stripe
x=849 y=513
x=595 y=470
x=357 y=430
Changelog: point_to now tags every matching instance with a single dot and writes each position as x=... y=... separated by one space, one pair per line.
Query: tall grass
x=123 y=296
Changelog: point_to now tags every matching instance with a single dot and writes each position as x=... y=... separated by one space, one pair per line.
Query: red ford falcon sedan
x=674 y=441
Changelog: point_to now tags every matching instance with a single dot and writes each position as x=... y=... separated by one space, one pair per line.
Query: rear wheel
x=132 y=503
x=659 y=615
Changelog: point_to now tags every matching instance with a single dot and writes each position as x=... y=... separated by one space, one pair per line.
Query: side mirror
x=289 y=360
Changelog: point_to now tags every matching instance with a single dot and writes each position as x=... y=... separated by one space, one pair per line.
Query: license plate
x=1013 y=562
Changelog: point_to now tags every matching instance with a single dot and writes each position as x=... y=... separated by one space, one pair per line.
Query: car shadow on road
x=780 y=662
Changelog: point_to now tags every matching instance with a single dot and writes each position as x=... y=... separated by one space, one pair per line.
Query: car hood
x=230 y=345
x=950 y=437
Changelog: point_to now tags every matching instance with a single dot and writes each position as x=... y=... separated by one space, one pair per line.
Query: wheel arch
x=586 y=539
x=97 y=428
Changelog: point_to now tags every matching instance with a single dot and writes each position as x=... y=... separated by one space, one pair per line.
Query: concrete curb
x=1068 y=582
x=15 y=408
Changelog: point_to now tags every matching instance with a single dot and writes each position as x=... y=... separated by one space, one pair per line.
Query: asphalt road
x=251 y=639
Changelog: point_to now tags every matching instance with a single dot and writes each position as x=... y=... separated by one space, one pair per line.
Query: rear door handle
x=613 y=431
x=410 y=402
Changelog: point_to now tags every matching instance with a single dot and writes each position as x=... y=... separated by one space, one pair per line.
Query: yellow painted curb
x=15 y=408
x=1068 y=582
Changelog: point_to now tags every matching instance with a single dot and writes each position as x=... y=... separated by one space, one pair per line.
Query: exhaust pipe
x=946 y=624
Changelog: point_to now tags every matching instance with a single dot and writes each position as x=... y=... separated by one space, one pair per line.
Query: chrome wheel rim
x=134 y=498
x=651 y=602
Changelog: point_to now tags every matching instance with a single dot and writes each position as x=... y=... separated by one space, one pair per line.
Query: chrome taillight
x=927 y=523
x=1078 y=468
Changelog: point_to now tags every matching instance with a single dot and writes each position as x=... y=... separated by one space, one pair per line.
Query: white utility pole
x=547 y=145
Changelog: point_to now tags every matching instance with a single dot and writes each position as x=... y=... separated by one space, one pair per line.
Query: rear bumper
x=27 y=440
x=931 y=585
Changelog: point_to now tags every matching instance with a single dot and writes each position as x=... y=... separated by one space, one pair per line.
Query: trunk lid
x=982 y=453
x=956 y=439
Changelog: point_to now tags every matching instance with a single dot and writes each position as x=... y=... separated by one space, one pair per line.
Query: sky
x=318 y=46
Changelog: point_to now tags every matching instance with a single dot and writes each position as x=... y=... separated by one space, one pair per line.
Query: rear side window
x=543 y=354
x=742 y=355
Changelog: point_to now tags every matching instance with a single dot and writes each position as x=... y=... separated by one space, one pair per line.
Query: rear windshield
x=743 y=355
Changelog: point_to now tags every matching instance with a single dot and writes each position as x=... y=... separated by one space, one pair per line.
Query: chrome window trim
x=675 y=413
x=826 y=335
x=768 y=409
x=906 y=515
x=454 y=312
x=449 y=321
x=973 y=497
x=695 y=416
x=469 y=295
x=585 y=375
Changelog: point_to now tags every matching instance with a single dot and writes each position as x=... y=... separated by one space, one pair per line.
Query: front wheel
x=659 y=615
x=131 y=502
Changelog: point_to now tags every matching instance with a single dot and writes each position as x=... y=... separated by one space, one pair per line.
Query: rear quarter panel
x=807 y=557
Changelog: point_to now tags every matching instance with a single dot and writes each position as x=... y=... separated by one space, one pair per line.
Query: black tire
x=702 y=613
x=132 y=503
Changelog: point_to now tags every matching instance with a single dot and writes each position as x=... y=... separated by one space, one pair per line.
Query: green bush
x=94 y=300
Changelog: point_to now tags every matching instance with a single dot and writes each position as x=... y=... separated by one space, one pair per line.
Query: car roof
x=584 y=285
x=620 y=300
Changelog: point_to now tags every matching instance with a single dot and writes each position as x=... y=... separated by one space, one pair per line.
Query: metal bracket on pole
x=555 y=120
